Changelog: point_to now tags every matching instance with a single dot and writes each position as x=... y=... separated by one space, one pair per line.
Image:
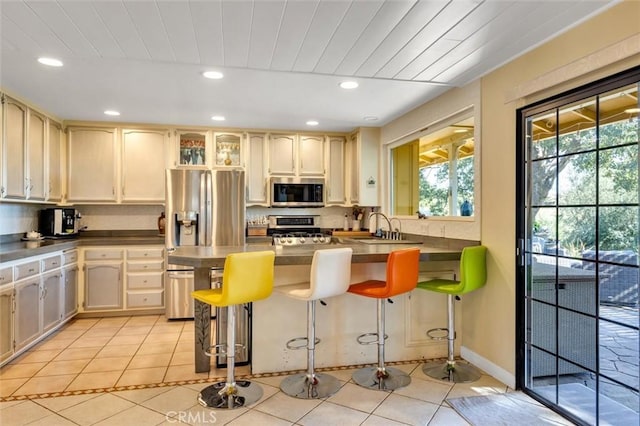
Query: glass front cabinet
x=228 y=149
x=192 y=148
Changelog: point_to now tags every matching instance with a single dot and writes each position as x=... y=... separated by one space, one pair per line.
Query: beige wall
x=604 y=45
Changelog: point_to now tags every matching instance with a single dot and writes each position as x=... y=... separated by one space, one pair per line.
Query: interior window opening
x=434 y=174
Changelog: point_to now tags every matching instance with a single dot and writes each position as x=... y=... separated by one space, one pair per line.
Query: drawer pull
x=31 y=270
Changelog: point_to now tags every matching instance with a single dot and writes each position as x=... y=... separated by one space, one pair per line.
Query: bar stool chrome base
x=299 y=386
x=372 y=378
x=220 y=395
x=453 y=372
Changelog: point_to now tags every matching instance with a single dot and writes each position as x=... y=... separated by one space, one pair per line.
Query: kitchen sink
x=371 y=240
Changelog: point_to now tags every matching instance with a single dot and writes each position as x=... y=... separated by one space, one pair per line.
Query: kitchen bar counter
x=204 y=258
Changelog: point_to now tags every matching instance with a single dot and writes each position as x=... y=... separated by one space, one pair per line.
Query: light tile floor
x=120 y=361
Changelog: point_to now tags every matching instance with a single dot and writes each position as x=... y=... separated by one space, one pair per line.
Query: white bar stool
x=330 y=276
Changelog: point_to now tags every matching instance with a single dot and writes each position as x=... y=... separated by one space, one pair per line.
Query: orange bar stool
x=402 y=277
x=473 y=275
x=330 y=276
x=247 y=277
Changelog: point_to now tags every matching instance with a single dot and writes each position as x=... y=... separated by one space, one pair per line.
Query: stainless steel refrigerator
x=204 y=208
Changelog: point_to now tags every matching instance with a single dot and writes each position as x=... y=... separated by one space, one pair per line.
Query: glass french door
x=578 y=240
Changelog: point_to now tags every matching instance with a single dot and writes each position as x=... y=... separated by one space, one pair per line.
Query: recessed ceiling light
x=312 y=123
x=215 y=75
x=349 y=84
x=218 y=118
x=370 y=118
x=632 y=110
x=111 y=112
x=52 y=62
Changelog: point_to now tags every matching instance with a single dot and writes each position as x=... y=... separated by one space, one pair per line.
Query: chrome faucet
x=383 y=234
x=396 y=234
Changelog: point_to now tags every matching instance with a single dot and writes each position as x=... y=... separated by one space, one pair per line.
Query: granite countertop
x=16 y=249
x=302 y=255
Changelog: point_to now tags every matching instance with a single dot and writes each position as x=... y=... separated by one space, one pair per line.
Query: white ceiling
x=282 y=59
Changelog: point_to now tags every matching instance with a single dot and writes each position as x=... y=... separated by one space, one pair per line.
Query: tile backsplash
x=18 y=218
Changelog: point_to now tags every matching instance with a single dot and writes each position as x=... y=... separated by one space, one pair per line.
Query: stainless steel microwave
x=297 y=192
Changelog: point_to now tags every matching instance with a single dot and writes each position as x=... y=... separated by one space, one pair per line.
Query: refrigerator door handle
x=205 y=211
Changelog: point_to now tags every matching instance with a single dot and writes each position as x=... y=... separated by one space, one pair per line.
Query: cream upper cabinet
x=335 y=188
x=257 y=180
x=144 y=154
x=36 y=129
x=54 y=190
x=311 y=156
x=91 y=164
x=282 y=155
x=14 y=153
x=363 y=154
x=293 y=155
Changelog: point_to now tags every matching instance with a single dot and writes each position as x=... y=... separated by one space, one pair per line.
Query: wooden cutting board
x=351 y=233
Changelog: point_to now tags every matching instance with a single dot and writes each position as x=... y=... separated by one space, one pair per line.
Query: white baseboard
x=487 y=366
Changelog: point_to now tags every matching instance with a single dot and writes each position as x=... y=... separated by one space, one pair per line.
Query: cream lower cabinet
x=51 y=294
x=69 y=297
x=28 y=311
x=103 y=277
x=145 y=278
x=123 y=278
x=6 y=321
x=32 y=306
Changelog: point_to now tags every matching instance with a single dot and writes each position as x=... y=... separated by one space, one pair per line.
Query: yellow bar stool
x=473 y=275
x=330 y=276
x=402 y=277
x=247 y=277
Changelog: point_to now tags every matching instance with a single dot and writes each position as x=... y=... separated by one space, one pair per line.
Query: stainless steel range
x=296 y=230
x=300 y=238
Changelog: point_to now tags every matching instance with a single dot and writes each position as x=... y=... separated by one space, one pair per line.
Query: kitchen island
x=278 y=318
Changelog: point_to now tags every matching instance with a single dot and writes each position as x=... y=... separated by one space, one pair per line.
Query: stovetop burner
x=300 y=238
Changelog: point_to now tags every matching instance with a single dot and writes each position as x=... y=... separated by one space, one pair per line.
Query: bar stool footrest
x=361 y=338
x=290 y=344
x=222 y=347
x=432 y=333
x=299 y=386
x=221 y=396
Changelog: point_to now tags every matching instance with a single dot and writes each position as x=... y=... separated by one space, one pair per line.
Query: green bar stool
x=473 y=275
